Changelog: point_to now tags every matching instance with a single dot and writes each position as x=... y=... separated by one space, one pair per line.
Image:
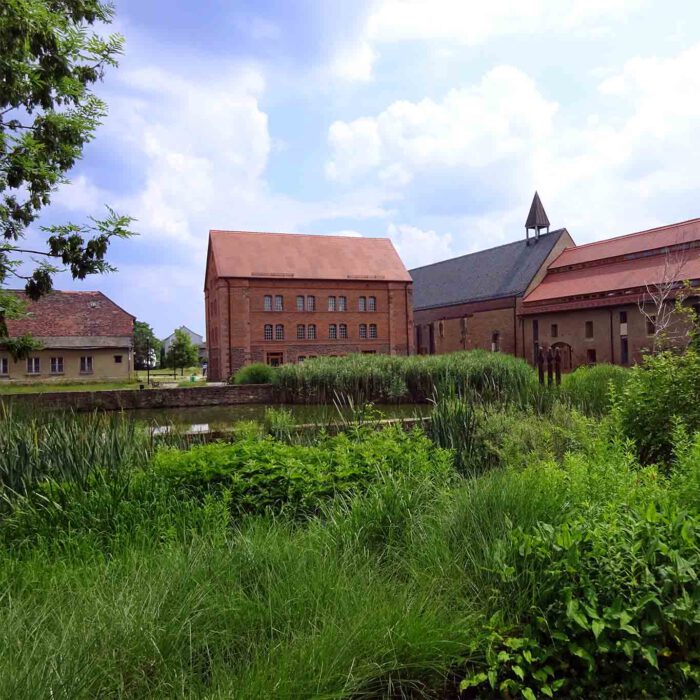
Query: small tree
x=146 y=346
x=182 y=352
x=163 y=357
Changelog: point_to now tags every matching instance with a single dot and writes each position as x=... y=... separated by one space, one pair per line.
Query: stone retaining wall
x=127 y=399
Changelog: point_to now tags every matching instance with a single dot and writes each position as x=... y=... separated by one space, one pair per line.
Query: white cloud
x=420 y=247
x=502 y=116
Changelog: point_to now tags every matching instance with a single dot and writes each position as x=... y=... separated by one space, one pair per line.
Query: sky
x=431 y=122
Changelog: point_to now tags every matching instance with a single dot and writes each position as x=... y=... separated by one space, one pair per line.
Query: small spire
x=537 y=218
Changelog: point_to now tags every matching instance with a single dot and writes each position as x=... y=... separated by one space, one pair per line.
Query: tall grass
x=590 y=389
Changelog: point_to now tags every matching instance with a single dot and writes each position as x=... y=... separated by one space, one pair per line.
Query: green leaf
x=597 y=627
x=528 y=694
x=649 y=653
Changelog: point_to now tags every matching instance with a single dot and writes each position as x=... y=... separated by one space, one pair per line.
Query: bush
x=256 y=373
x=660 y=393
x=590 y=389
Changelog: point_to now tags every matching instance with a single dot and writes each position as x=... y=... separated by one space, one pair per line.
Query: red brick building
x=588 y=304
x=275 y=298
x=473 y=301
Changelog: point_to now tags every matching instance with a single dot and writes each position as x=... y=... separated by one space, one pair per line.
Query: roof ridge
x=305 y=235
x=484 y=250
x=635 y=233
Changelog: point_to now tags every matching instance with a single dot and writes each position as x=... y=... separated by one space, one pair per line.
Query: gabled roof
x=301 y=256
x=537 y=218
x=72 y=314
x=651 y=239
x=504 y=271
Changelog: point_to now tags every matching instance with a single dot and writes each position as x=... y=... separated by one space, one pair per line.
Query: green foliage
x=50 y=61
x=659 y=393
x=182 y=352
x=590 y=388
x=255 y=373
x=146 y=346
x=493 y=377
x=265 y=474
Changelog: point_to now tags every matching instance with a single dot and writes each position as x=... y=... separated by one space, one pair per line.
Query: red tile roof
x=611 y=277
x=661 y=237
x=300 y=256
x=71 y=314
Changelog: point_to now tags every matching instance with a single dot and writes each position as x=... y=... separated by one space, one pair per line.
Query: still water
x=222 y=417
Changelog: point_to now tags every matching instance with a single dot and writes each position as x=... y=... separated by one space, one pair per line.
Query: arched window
x=311 y=303
x=300 y=303
x=363 y=330
x=331 y=303
x=279 y=302
x=311 y=331
x=301 y=332
x=371 y=303
x=268 y=331
x=279 y=332
x=342 y=303
x=362 y=304
x=495 y=341
x=372 y=330
x=332 y=331
x=267 y=302
x=342 y=330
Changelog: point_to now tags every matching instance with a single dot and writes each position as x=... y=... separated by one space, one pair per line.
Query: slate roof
x=504 y=271
x=301 y=256
x=72 y=314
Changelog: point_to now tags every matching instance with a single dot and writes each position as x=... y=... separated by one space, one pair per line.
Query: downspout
x=408 y=316
x=228 y=303
x=612 y=340
x=515 y=328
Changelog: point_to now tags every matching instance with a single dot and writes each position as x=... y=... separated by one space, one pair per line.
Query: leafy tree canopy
x=183 y=352
x=51 y=55
x=145 y=344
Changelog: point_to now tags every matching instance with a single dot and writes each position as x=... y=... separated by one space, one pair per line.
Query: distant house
x=196 y=339
x=84 y=336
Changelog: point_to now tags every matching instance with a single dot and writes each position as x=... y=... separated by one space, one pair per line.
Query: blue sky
x=429 y=121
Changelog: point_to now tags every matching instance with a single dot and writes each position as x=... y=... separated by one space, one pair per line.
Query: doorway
x=275 y=359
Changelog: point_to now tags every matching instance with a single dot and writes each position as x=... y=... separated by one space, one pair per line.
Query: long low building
x=84 y=336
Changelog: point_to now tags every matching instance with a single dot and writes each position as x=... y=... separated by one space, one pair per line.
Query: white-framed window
x=279 y=332
x=56 y=365
x=372 y=330
x=86 y=364
x=362 y=304
x=279 y=302
x=311 y=303
x=371 y=303
x=301 y=332
x=363 y=330
x=4 y=366
x=267 y=302
x=311 y=331
x=343 y=330
x=33 y=365
x=331 y=303
x=268 y=331
x=342 y=303
x=300 y=303
x=332 y=331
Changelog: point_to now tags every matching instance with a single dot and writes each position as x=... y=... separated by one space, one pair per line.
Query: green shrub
x=590 y=389
x=615 y=610
x=661 y=392
x=255 y=373
x=265 y=474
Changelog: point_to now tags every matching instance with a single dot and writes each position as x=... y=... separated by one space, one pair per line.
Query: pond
x=223 y=417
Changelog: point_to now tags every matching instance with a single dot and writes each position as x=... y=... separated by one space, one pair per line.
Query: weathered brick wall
x=148 y=398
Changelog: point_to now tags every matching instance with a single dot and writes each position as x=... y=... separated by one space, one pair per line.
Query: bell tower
x=536 y=220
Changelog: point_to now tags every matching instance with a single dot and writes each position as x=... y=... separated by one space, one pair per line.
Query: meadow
x=528 y=543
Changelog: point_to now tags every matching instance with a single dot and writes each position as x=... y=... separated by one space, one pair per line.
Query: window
x=369 y=352
x=300 y=303
x=495 y=341
x=301 y=358
x=332 y=331
x=342 y=303
x=590 y=356
x=623 y=317
x=301 y=332
x=4 y=365
x=56 y=365
x=371 y=303
x=363 y=331
x=311 y=332
x=372 y=330
x=342 y=330
x=535 y=330
x=589 y=329
x=117 y=359
x=268 y=331
x=33 y=365
x=279 y=332
x=279 y=302
x=331 y=303
x=311 y=303
x=362 y=304
x=624 y=351
x=651 y=325
x=275 y=359
x=86 y=364
x=555 y=330
x=267 y=303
